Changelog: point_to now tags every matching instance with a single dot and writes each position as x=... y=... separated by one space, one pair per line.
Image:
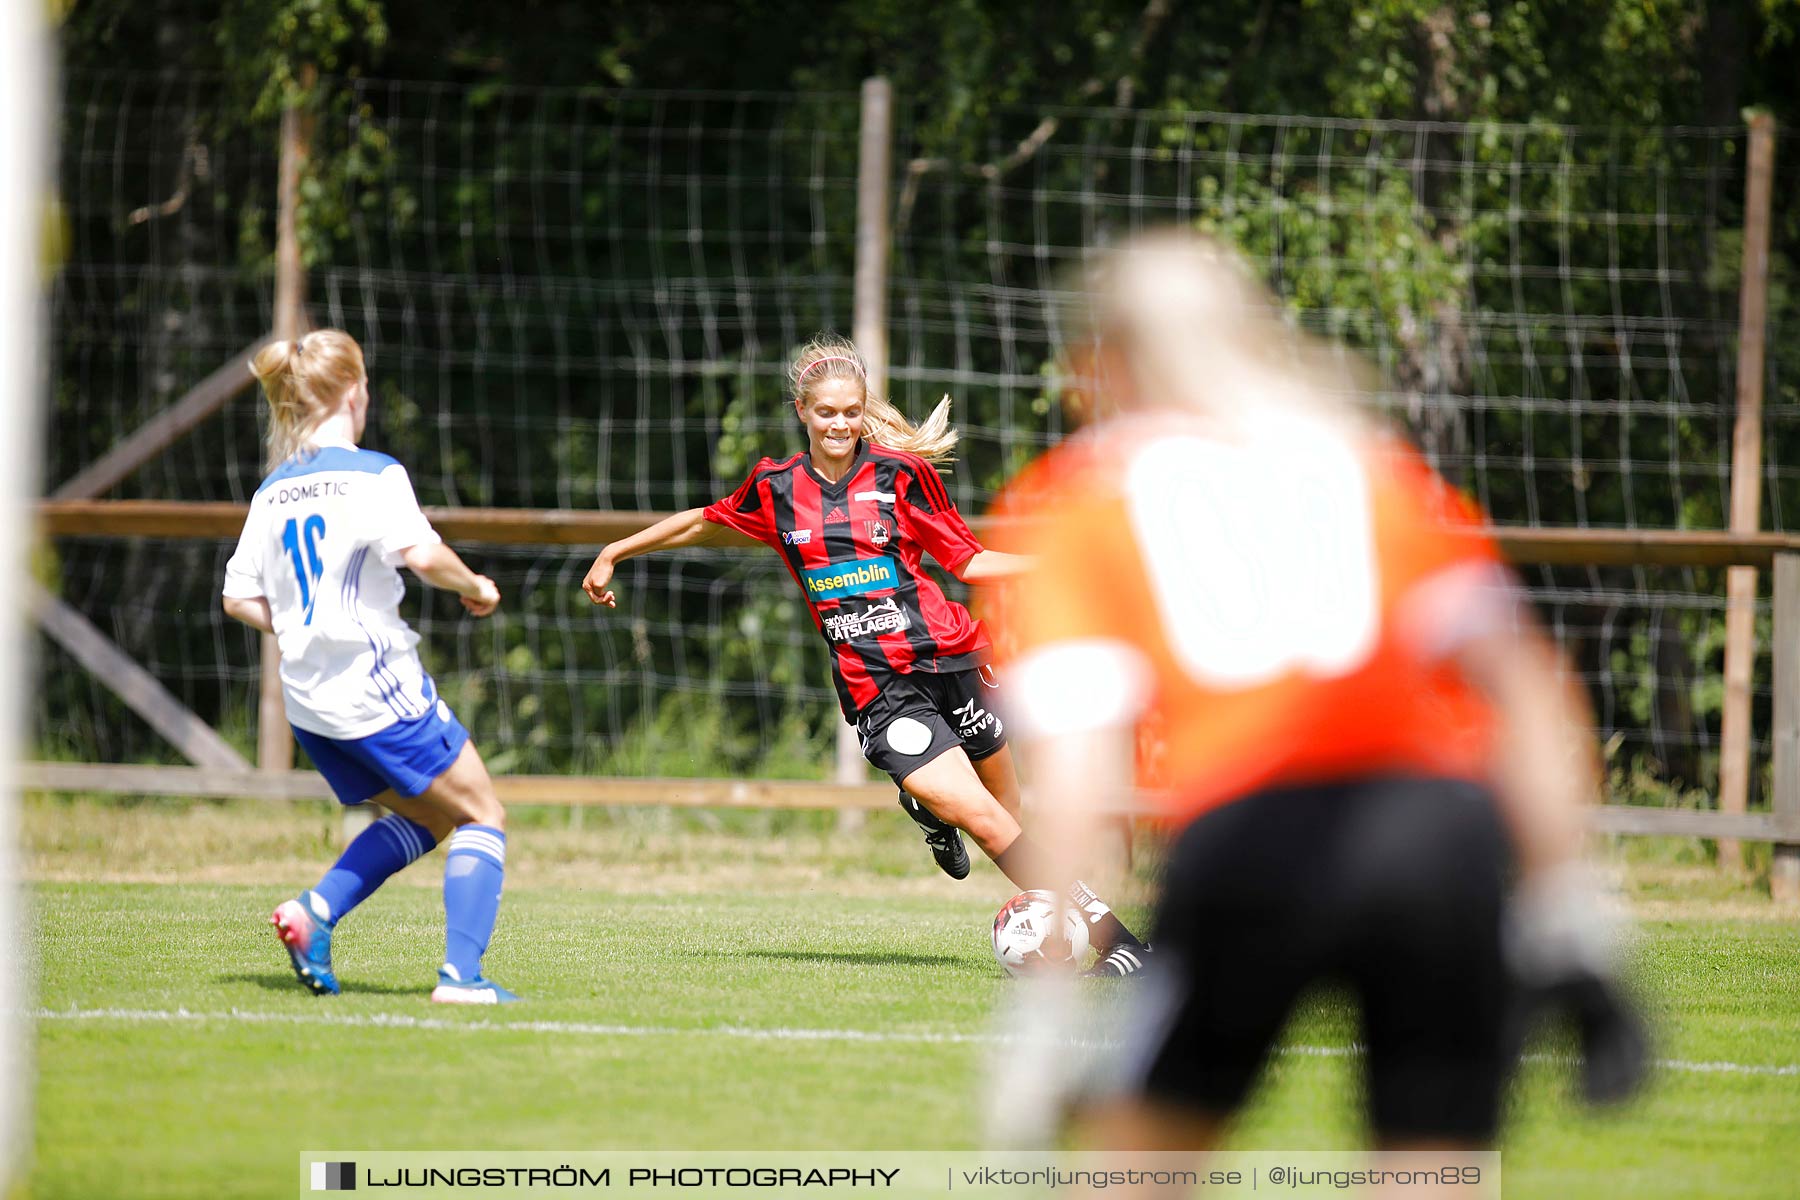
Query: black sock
x=1109 y=932
x=1021 y=863
x=1104 y=929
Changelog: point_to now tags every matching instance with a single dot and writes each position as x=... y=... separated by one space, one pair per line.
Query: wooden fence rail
x=569 y=527
x=544 y=527
x=568 y=791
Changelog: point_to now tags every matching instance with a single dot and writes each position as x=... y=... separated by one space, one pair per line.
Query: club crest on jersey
x=879 y=533
x=849 y=579
x=797 y=537
x=836 y=517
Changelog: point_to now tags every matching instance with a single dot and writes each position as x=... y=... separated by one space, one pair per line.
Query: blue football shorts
x=406 y=756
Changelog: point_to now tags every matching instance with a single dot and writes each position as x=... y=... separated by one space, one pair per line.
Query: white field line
x=752 y=1033
x=578 y=1028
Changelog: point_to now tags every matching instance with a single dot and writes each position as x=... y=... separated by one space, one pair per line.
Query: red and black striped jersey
x=855 y=547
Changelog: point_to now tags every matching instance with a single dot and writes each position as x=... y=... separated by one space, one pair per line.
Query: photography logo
x=334 y=1177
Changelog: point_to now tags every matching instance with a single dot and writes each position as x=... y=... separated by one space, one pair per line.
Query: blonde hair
x=831 y=357
x=1197 y=331
x=303 y=380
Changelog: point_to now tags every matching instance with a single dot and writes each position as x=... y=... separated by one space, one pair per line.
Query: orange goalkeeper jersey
x=1278 y=606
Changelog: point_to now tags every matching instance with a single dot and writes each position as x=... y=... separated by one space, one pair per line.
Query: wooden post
x=357 y=818
x=872 y=239
x=1746 y=482
x=290 y=267
x=874 y=153
x=1784 y=874
x=274 y=742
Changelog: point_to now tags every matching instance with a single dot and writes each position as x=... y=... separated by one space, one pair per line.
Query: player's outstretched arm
x=442 y=567
x=686 y=528
x=1561 y=941
x=1546 y=765
x=253 y=612
x=991 y=566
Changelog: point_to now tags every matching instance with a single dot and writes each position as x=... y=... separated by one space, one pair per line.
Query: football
x=1022 y=941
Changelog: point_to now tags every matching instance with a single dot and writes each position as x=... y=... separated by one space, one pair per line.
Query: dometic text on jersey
x=288 y=493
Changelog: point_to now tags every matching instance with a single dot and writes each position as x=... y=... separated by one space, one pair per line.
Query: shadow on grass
x=284 y=981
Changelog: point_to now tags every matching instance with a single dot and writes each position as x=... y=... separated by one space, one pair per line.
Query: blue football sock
x=474 y=871
x=378 y=851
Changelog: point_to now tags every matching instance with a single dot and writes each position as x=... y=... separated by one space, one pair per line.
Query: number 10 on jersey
x=309 y=571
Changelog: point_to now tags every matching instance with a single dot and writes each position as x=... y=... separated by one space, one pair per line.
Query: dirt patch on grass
x=650 y=852
x=287 y=847
x=1658 y=891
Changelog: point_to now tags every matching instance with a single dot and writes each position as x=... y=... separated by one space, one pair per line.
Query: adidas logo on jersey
x=836 y=517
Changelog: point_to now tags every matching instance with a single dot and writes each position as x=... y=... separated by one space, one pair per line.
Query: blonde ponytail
x=304 y=380
x=831 y=357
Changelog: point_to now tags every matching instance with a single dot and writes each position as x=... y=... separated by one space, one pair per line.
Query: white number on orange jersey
x=1260 y=553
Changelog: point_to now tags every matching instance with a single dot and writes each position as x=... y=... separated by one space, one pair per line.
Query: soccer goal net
x=587 y=299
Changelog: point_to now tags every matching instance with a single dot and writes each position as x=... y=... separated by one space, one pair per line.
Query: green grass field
x=698 y=982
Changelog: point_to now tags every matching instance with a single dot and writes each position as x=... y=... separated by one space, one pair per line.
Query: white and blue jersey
x=325 y=532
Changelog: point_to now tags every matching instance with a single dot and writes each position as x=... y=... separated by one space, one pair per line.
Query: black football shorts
x=920 y=715
x=1390 y=886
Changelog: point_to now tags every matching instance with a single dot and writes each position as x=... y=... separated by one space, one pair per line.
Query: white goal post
x=25 y=132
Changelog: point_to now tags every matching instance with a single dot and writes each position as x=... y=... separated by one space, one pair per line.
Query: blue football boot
x=479 y=990
x=307 y=937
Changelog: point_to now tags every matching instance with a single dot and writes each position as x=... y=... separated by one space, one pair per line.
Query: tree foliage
x=987 y=85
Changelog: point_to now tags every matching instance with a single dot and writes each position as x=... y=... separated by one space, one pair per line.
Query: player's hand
x=598 y=576
x=1562 y=947
x=1615 y=1045
x=486 y=598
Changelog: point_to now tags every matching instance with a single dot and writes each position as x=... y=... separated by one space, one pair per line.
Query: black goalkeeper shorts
x=920 y=715
x=1390 y=886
